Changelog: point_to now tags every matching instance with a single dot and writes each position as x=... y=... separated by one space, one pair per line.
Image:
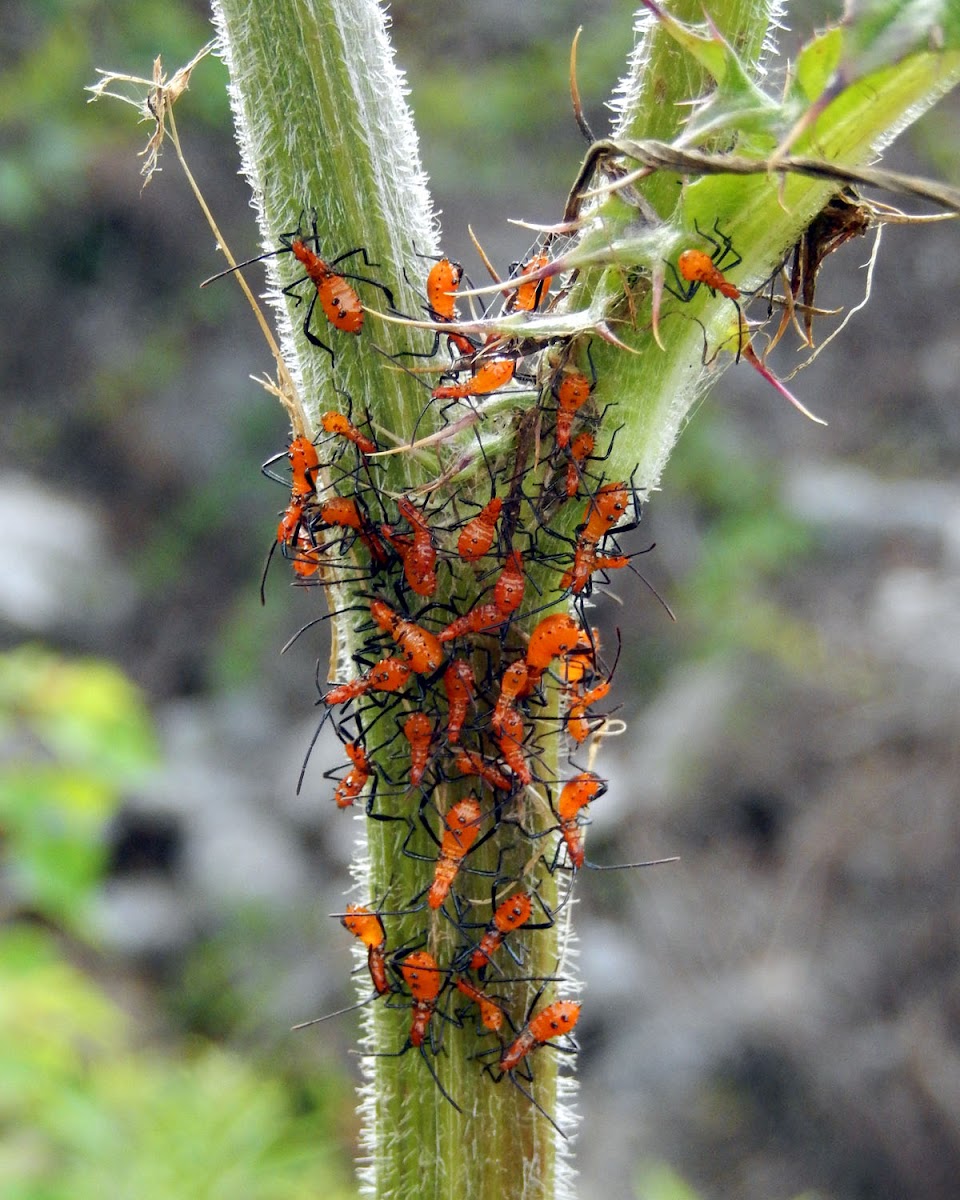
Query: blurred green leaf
x=882 y=32
x=52 y=1020
x=86 y=712
x=87 y=1114
x=707 y=47
x=661 y=1182
x=211 y=1129
x=748 y=541
x=816 y=64
x=54 y=823
x=76 y=734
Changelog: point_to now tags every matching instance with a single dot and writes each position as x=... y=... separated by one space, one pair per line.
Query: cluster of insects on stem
x=476 y=666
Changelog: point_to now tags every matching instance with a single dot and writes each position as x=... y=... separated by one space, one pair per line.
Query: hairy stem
x=323 y=124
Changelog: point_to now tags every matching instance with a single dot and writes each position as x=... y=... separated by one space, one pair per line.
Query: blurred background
x=775 y=1016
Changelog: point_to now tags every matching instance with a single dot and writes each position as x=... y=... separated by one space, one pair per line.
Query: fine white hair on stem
x=627 y=91
x=352 y=97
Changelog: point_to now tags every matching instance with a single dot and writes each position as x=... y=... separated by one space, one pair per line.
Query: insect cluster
x=476 y=670
x=466 y=672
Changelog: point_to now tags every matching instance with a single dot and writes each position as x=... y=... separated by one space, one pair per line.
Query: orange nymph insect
x=511 y=914
x=420 y=648
x=477 y=535
x=462 y=828
x=336 y=423
x=489 y=376
x=339 y=300
x=418 y=730
x=368 y=927
x=696 y=268
x=353 y=783
x=553 y=1021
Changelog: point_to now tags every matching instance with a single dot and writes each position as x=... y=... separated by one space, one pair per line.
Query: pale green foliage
x=76 y=734
x=659 y=1181
x=863 y=105
x=88 y=1113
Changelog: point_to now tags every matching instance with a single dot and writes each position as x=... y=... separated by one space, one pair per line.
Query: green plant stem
x=657 y=386
x=323 y=124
